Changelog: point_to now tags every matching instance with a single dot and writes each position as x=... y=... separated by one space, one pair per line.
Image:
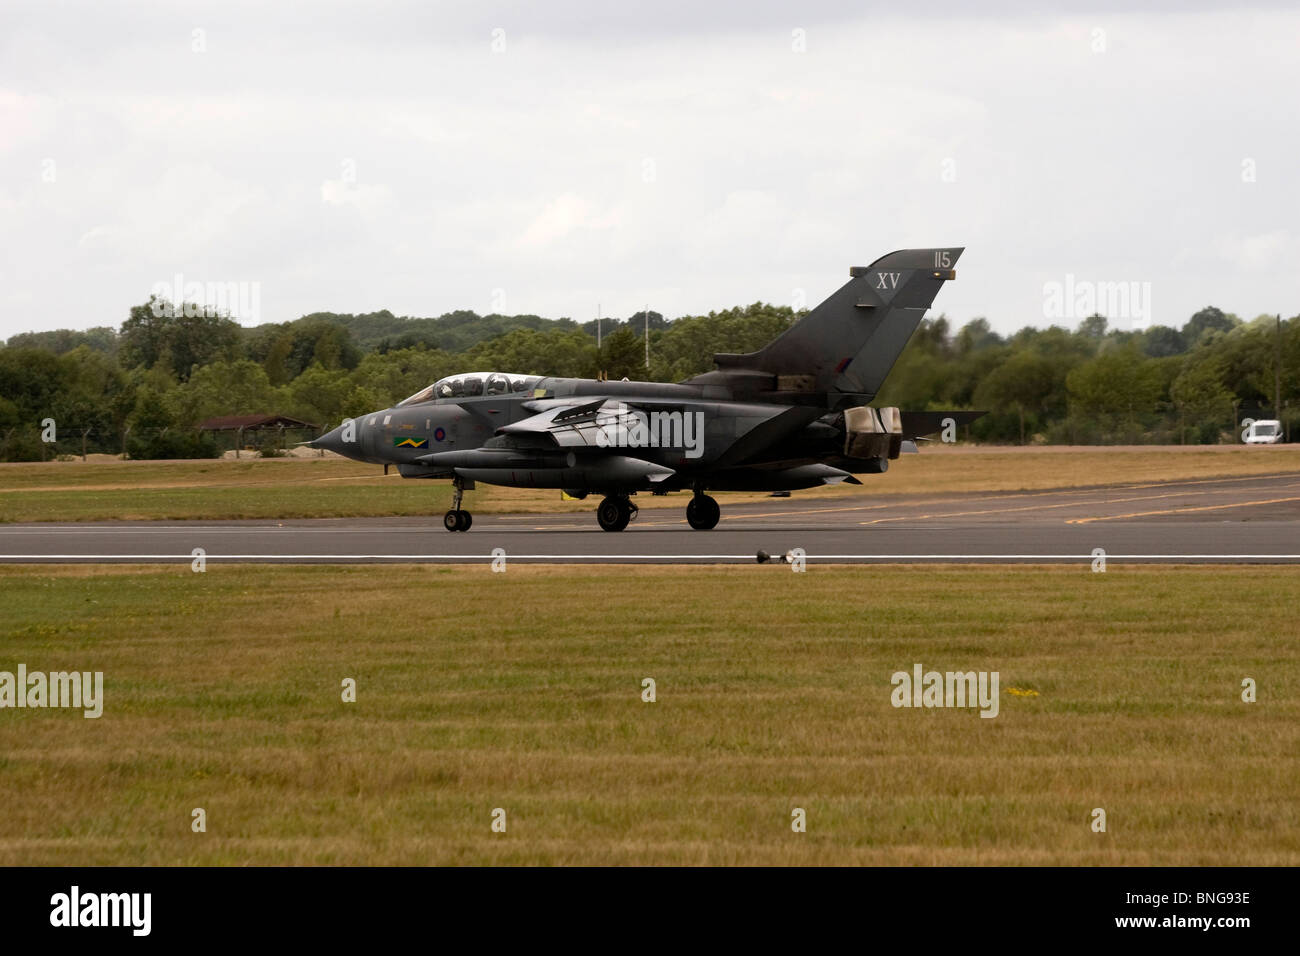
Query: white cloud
x=562 y=217
x=526 y=170
x=1271 y=251
x=365 y=196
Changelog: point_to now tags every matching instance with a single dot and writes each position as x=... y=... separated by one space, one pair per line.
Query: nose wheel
x=457 y=519
x=702 y=513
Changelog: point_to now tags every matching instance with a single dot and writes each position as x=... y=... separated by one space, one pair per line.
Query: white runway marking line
x=371 y=557
x=218 y=529
x=646 y=557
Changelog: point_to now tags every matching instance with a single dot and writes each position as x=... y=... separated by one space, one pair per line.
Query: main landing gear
x=614 y=512
x=703 y=512
x=456 y=519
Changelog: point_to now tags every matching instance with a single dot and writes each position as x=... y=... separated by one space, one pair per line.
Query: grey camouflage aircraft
x=795 y=414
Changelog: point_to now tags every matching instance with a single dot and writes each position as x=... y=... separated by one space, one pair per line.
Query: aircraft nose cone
x=334 y=441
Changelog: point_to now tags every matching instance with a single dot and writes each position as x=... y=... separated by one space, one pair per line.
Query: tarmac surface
x=1214 y=520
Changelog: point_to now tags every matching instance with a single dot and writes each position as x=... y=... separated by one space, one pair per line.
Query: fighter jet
x=795 y=414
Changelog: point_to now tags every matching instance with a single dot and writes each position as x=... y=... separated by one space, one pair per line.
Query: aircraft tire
x=451 y=520
x=703 y=513
x=613 y=513
x=466 y=519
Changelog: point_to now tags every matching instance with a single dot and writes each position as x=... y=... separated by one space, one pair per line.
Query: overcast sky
x=557 y=157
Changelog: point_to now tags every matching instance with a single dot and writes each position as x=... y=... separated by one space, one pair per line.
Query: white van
x=1264 y=432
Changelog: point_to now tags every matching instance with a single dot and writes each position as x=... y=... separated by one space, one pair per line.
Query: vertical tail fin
x=851 y=341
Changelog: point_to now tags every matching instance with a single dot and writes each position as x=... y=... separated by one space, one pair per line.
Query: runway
x=1232 y=520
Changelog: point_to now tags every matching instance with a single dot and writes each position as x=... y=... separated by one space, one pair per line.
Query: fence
x=29 y=443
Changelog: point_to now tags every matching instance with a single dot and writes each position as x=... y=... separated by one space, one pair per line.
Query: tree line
x=144 y=386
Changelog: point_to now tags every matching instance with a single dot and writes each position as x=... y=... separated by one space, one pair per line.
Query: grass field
x=522 y=691
x=336 y=487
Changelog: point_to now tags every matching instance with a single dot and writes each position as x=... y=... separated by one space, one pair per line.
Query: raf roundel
x=439 y=434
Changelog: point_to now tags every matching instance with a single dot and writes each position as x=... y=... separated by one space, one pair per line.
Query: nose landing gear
x=456 y=519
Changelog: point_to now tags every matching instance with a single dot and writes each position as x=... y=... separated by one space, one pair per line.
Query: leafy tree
x=1209 y=319
x=1024 y=383
x=319 y=394
x=95 y=398
x=32 y=380
x=919 y=381
x=223 y=388
x=457 y=331
x=622 y=355
x=1093 y=327
x=1110 y=394
x=154 y=433
x=570 y=354
x=59 y=341
x=276 y=360
x=171 y=369
x=397 y=374
x=933 y=337
x=361 y=400
x=1160 y=341
x=687 y=346
x=975 y=335
x=177 y=338
x=639 y=321
x=1200 y=397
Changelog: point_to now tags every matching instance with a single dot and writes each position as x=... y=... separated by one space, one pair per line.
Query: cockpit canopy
x=470 y=384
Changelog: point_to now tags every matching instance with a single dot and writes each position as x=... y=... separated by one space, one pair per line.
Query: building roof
x=247 y=422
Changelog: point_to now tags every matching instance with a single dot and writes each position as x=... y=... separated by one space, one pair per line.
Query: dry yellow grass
x=522 y=690
x=336 y=487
